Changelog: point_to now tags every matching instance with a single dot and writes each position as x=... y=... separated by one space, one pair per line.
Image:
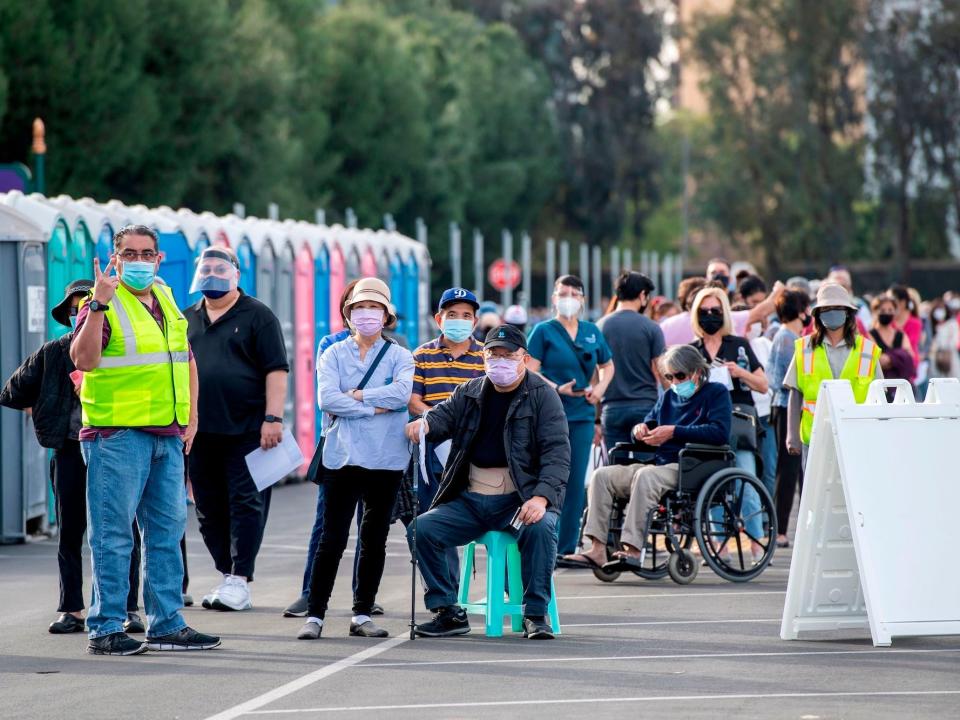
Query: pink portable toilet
x=368 y=265
x=338 y=280
x=304 y=344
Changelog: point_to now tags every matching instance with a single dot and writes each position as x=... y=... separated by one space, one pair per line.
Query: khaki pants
x=643 y=485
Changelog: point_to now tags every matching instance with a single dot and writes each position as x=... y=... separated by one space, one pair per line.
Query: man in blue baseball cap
x=440 y=366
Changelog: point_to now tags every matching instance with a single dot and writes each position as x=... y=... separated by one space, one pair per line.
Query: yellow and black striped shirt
x=437 y=373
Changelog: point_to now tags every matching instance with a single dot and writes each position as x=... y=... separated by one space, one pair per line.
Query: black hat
x=506 y=336
x=61 y=313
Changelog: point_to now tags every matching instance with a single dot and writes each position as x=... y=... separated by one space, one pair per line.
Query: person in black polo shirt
x=242 y=367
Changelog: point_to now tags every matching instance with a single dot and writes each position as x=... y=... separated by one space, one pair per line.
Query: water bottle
x=743 y=362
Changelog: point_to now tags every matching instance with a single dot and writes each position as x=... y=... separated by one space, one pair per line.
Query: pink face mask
x=502 y=371
x=367 y=321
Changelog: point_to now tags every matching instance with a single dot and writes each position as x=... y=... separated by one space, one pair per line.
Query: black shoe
x=298 y=608
x=133 y=624
x=367 y=629
x=447 y=622
x=184 y=639
x=376 y=609
x=537 y=628
x=66 y=623
x=116 y=644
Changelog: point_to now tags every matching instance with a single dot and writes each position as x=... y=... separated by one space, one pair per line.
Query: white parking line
x=309 y=679
x=673 y=622
x=680 y=656
x=641 y=698
x=673 y=595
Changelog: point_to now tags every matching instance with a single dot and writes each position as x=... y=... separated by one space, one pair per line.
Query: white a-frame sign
x=876 y=535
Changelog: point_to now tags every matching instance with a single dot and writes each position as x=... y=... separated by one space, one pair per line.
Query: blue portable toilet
x=24 y=467
x=411 y=299
x=397 y=284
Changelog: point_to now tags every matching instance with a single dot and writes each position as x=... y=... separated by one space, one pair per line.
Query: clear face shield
x=216 y=274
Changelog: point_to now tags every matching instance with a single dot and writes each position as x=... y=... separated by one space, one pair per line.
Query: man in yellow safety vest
x=138 y=402
x=835 y=351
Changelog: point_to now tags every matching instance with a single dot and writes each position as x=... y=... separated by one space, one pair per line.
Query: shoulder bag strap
x=376 y=361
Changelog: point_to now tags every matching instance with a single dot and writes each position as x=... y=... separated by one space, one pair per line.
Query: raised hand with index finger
x=105 y=282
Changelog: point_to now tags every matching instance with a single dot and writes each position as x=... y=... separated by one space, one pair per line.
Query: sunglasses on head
x=680 y=376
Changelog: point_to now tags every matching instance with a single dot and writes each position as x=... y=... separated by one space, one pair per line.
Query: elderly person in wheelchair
x=694 y=410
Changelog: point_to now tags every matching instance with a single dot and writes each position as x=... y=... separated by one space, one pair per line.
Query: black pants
x=231 y=511
x=343 y=489
x=69 y=475
x=789 y=472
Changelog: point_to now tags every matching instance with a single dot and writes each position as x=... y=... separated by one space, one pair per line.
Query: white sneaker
x=208 y=599
x=234 y=594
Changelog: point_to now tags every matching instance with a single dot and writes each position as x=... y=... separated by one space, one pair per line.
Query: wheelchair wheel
x=683 y=567
x=730 y=507
x=603 y=576
x=660 y=548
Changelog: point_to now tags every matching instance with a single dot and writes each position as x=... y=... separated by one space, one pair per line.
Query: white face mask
x=568 y=307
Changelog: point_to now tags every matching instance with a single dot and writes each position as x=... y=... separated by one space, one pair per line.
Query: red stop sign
x=502 y=275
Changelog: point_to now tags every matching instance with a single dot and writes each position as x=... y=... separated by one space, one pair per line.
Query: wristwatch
x=96 y=306
x=273 y=418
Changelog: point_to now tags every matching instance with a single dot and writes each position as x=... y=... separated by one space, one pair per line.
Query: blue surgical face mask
x=685 y=390
x=456 y=330
x=833 y=319
x=138 y=275
x=215 y=287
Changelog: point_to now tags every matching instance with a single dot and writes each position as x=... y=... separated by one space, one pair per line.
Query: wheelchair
x=707 y=507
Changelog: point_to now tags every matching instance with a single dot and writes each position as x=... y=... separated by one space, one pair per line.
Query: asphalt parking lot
x=631 y=648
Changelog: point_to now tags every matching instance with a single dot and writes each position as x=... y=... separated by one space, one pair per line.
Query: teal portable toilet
x=23 y=329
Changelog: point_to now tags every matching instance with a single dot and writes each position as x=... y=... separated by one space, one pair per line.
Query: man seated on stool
x=695 y=411
x=507 y=411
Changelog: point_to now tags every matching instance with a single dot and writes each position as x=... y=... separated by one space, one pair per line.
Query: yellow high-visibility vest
x=143 y=379
x=813 y=368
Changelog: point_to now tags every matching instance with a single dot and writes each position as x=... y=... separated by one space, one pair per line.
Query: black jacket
x=535 y=436
x=43 y=383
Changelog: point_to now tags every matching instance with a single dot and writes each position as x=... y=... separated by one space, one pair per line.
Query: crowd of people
x=140 y=400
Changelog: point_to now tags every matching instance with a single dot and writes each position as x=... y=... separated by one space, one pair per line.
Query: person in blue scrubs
x=569 y=353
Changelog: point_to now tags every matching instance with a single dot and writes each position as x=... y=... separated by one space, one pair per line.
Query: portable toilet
x=321 y=310
x=305 y=339
x=104 y=240
x=58 y=246
x=266 y=261
x=411 y=287
x=338 y=281
x=23 y=329
x=397 y=281
x=283 y=306
x=233 y=232
x=87 y=227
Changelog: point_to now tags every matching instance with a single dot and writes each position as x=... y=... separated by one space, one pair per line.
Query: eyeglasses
x=220 y=269
x=133 y=255
x=678 y=376
x=716 y=312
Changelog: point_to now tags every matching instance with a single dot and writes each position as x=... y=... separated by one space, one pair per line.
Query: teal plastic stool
x=503 y=558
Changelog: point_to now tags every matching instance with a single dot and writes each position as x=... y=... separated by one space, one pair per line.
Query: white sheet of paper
x=443 y=451
x=721 y=375
x=422 y=448
x=268 y=467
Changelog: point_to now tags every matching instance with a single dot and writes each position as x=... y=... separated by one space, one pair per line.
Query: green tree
x=787 y=127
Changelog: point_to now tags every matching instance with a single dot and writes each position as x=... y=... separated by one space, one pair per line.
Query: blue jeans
x=467 y=518
x=618 y=421
x=747 y=461
x=134 y=474
x=581 y=441
x=768 y=453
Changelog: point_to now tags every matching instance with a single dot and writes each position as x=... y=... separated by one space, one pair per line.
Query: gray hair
x=135 y=230
x=685 y=359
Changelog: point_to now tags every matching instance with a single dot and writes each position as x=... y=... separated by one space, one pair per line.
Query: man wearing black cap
x=46 y=386
x=242 y=369
x=510 y=456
